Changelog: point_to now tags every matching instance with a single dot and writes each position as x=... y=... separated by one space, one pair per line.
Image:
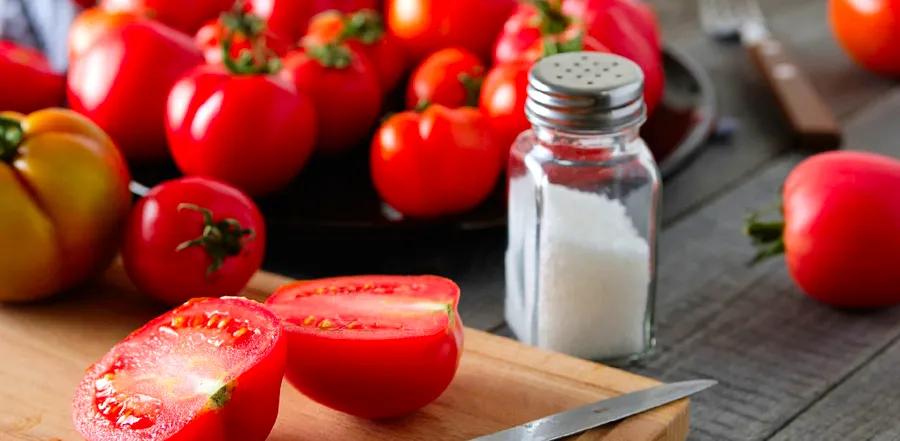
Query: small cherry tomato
x=122 y=80
x=869 y=32
x=29 y=83
x=450 y=77
x=442 y=161
x=185 y=16
x=384 y=345
x=193 y=237
x=288 y=19
x=345 y=91
x=364 y=32
x=209 y=370
x=425 y=26
x=502 y=100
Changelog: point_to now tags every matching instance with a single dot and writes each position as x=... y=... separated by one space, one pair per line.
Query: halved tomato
x=371 y=346
x=210 y=369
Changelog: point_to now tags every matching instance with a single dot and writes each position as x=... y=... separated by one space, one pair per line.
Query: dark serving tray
x=335 y=197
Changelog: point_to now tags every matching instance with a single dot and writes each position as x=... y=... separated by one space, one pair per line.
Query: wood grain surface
x=500 y=383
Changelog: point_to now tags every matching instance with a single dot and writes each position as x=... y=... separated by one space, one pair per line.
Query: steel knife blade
x=574 y=421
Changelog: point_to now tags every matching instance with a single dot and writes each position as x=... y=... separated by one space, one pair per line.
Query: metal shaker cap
x=585 y=91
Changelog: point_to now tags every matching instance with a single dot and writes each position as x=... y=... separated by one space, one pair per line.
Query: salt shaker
x=584 y=195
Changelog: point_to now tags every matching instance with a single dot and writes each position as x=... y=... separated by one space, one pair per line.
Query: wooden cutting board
x=45 y=348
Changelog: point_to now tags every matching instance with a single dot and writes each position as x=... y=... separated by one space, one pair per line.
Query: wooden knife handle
x=811 y=119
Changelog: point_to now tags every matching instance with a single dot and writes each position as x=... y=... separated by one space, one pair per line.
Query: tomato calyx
x=220 y=239
x=553 y=45
x=11 y=135
x=331 y=55
x=550 y=20
x=767 y=237
x=364 y=25
x=258 y=59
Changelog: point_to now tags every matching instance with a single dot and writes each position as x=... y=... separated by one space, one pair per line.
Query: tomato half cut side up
x=210 y=369
x=372 y=346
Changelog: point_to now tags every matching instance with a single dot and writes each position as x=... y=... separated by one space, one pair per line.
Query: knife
x=574 y=421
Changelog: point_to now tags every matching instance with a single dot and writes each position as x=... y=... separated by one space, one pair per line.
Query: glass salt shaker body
x=584 y=195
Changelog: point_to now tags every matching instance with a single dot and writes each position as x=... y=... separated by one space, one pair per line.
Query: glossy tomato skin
x=288 y=19
x=92 y=24
x=238 y=399
x=30 y=83
x=442 y=79
x=425 y=26
x=502 y=100
x=185 y=16
x=347 y=100
x=366 y=373
x=841 y=211
x=157 y=227
x=869 y=32
x=209 y=40
x=385 y=53
x=65 y=197
x=255 y=132
x=440 y=162
x=625 y=30
x=122 y=81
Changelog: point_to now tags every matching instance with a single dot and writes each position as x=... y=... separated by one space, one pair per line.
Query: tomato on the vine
x=404 y=331
x=503 y=95
x=425 y=26
x=364 y=32
x=451 y=77
x=30 y=83
x=240 y=122
x=210 y=369
x=122 y=80
x=288 y=19
x=185 y=16
x=193 y=237
x=438 y=162
x=344 y=88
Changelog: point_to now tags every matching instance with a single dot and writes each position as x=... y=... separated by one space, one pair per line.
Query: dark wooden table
x=789 y=368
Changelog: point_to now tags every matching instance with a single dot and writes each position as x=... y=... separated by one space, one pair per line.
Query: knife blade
x=574 y=421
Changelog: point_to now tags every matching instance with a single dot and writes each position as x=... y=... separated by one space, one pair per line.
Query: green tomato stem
x=767 y=237
x=11 y=135
x=220 y=239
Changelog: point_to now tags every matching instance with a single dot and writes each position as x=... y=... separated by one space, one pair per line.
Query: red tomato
x=450 y=77
x=502 y=100
x=85 y=3
x=371 y=346
x=345 y=91
x=625 y=30
x=91 y=25
x=208 y=370
x=193 y=237
x=121 y=83
x=209 y=40
x=442 y=161
x=425 y=26
x=213 y=117
x=289 y=18
x=869 y=32
x=540 y=28
x=840 y=236
x=29 y=82
x=364 y=32
x=179 y=14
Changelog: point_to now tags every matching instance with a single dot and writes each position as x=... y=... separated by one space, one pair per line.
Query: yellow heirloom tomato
x=63 y=200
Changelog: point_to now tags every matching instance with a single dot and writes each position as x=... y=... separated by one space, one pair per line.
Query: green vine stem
x=11 y=135
x=551 y=19
x=767 y=237
x=258 y=59
x=220 y=239
x=364 y=25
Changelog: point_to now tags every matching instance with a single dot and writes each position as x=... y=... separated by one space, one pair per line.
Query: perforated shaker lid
x=585 y=91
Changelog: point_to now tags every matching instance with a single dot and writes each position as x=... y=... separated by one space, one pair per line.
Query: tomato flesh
x=168 y=378
x=371 y=346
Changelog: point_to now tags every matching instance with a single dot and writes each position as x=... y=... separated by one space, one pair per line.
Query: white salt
x=587 y=295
